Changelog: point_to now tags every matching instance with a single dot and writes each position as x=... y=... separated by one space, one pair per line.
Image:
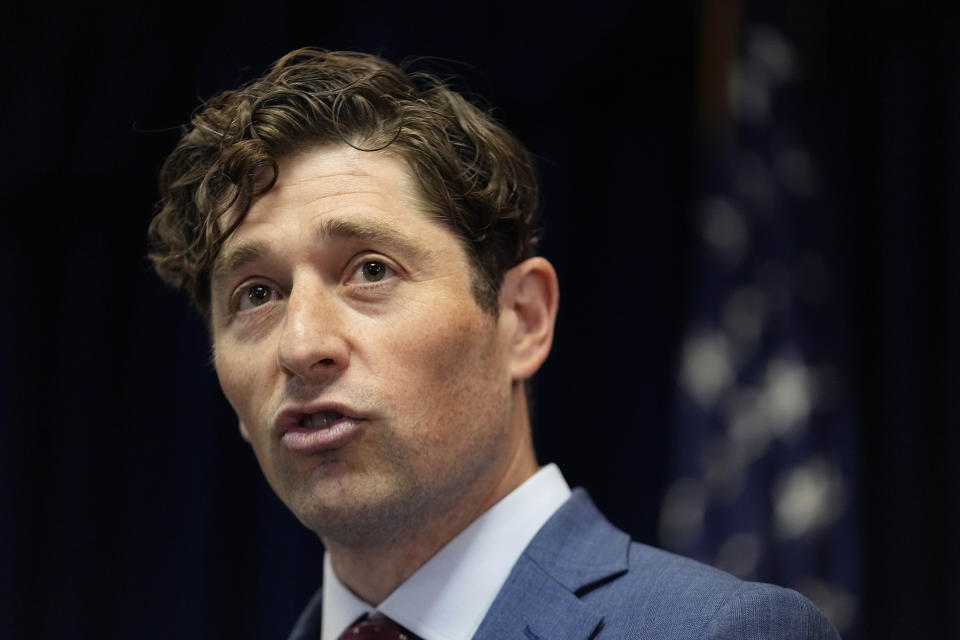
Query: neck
x=374 y=571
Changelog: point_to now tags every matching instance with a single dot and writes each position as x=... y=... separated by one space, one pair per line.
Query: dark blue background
x=129 y=506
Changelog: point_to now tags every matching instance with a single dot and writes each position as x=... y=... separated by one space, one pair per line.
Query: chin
x=360 y=518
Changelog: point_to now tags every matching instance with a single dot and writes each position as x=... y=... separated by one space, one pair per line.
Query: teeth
x=321 y=419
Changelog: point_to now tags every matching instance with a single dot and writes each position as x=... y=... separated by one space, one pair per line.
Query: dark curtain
x=129 y=506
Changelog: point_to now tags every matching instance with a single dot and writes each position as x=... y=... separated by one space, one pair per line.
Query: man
x=362 y=245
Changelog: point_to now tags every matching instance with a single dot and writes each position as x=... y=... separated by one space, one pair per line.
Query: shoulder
x=668 y=596
x=765 y=611
x=643 y=592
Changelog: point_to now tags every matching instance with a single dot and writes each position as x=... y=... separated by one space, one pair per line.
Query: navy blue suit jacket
x=582 y=578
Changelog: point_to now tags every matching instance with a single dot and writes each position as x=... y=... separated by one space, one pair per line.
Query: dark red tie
x=380 y=629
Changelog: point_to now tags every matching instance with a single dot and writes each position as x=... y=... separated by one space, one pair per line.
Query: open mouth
x=320 y=420
x=323 y=430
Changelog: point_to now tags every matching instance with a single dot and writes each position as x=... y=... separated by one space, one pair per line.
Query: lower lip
x=332 y=436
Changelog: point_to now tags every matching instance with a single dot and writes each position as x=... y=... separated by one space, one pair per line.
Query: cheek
x=236 y=378
x=444 y=346
x=446 y=367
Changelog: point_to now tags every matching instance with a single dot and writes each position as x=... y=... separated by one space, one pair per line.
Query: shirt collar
x=447 y=598
x=340 y=606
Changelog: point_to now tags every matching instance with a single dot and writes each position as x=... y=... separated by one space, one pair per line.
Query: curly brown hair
x=473 y=175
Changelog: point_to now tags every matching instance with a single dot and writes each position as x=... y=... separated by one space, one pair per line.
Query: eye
x=255 y=295
x=258 y=294
x=373 y=271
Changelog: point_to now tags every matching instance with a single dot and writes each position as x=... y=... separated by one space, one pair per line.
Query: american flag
x=764 y=460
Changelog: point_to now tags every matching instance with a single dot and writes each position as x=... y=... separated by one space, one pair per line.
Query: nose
x=312 y=346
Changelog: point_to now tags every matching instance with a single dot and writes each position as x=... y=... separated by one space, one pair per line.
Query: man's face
x=374 y=391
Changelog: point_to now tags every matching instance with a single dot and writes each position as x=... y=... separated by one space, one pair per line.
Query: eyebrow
x=373 y=231
x=236 y=258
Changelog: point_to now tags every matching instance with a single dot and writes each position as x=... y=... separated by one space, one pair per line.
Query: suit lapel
x=535 y=606
x=572 y=554
x=308 y=624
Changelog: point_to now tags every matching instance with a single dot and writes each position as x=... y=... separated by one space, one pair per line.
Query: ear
x=529 y=295
x=244 y=433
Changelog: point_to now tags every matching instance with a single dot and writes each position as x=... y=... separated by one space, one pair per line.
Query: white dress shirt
x=447 y=598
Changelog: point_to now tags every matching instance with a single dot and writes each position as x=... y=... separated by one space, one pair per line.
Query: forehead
x=328 y=178
x=335 y=193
